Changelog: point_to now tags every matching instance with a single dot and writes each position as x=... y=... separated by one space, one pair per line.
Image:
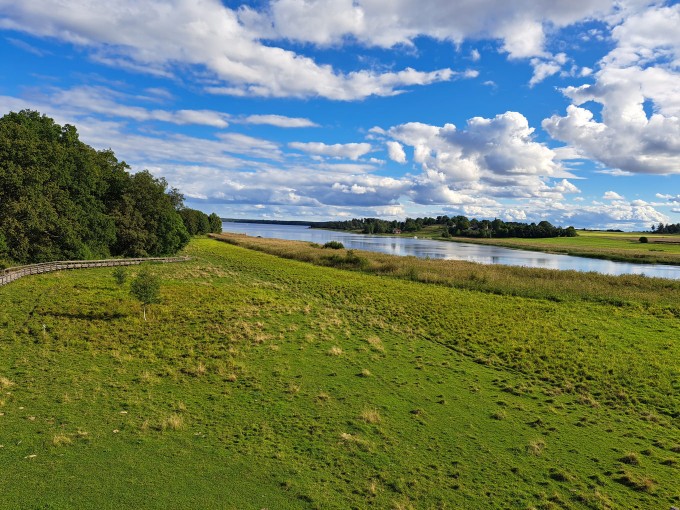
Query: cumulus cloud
x=502 y=145
x=491 y=157
x=351 y=151
x=612 y=195
x=396 y=152
x=641 y=71
x=618 y=214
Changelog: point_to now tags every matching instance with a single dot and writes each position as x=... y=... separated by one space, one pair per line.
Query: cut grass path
x=261 y=382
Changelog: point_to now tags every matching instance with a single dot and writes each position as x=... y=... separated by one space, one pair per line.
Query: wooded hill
x=62 y=199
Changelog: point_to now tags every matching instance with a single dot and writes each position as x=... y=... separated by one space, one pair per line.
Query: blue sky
x=326 y=109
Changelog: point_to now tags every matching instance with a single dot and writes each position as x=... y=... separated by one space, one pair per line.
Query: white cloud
x=674 y=199
x=107 y=102
x=615 y=172
x=199 y=36
x=521 y=25
x=542 y=70
x=617 y=214
x=490 y=159
x=351 y=151
x=642 y=70
x=546 y=67
x=500 y=146
x=279 y=121
x=396 y=152
x=612 y=195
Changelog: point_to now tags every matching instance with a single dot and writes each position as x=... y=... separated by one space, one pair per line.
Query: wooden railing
x=14 y=273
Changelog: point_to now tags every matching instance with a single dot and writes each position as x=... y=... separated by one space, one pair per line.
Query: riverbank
x=547 y=284
x=615 y=246
x=299 y=386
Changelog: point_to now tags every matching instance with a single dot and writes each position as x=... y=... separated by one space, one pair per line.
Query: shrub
x=643 y=239
x=334 y=245
x=119 y=274
x=146 y=287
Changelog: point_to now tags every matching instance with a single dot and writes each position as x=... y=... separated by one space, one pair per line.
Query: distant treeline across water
x=460 y=226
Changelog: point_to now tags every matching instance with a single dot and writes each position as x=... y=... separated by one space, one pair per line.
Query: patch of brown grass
x=61 y=440
x=335 y=351
x=535 y=447
x=5 y=383
x=371 y=416
x=376 y=343
x=173 y=422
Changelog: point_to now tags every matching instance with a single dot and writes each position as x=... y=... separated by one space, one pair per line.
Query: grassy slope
x=232 y=396
x=620 y=246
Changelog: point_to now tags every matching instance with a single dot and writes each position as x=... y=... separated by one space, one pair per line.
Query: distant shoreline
x=272 y=222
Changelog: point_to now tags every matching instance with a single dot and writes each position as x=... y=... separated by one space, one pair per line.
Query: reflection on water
x=427 y=248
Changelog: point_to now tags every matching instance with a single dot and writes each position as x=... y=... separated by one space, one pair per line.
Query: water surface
x=428 y=248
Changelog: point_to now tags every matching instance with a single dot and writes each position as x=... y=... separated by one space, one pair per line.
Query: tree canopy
x=62 y=199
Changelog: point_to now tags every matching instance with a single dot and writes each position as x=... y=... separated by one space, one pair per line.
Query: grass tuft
x=376 y=343
x=499 y=415
x=173 y=422
x=535 y=447
x=371 y=416
x=630 y=458
x=61 y=440
x=636 y=482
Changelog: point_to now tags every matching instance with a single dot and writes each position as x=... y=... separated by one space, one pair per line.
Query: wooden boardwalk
x=14 y=273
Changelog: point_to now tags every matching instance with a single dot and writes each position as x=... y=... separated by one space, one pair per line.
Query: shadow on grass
x=88 y=316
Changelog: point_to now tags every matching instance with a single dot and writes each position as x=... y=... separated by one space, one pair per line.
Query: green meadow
x=339 y=380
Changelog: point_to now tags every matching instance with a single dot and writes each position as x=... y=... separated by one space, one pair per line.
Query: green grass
x=261 y=382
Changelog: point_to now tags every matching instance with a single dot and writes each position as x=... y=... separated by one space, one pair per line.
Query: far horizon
x=280 y=109
x=310 y=222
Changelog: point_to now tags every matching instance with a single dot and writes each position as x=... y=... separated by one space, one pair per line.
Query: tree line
x=459 y=226
x=670 y=228
x=61 y=199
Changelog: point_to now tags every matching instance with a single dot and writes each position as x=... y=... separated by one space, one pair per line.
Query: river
x=428 y=248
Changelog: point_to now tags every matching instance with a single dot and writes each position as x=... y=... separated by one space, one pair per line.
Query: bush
x=643 y=239
x=120 y=275
x=146 y=287
x=334 y=245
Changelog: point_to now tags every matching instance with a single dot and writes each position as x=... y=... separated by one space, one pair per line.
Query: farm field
x=621 y=246
x=266 y=382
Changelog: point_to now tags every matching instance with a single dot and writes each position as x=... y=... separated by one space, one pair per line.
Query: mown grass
x=261 y=382
x=618 y=246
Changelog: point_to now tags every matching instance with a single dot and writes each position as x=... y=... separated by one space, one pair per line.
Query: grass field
x=620 y=246
x=265 y=382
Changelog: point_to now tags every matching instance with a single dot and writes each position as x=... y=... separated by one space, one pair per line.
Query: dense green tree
x=215 y=223
x=199 y=223
x=62 y=199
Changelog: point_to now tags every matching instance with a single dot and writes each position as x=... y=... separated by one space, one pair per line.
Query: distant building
x=396 y=231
